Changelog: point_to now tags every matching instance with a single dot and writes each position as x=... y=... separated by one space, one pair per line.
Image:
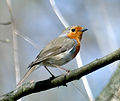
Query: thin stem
x=58 y=13
x=27 y=39
x=15 y=43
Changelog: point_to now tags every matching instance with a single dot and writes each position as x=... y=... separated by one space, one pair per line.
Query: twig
x=15 y=44
x=27 y=39
x=34 y=87
x=58 y=13
x=15 y=47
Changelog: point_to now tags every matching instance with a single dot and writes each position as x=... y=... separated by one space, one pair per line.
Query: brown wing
x=55 y=47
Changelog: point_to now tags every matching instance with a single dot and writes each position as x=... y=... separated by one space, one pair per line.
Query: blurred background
x=37 y=20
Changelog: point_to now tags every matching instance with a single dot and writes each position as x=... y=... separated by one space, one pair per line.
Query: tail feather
x=26 y=75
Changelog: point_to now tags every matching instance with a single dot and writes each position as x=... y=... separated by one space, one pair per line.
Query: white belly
x=61 y=59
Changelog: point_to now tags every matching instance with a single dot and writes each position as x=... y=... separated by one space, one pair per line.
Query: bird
x=59 y=51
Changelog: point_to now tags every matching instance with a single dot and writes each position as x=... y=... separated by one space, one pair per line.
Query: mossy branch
x=34 y=87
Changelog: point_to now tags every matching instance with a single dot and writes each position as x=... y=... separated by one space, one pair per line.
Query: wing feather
x=55 y=47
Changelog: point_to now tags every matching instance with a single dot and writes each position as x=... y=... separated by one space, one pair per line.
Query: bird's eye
x=73 y=30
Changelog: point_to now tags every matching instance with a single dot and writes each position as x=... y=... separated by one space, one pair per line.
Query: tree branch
x=112 y=90
x=33 y=87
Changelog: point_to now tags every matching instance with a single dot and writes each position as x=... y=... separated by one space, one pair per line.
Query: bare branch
x=34 y=87
x=15 y=42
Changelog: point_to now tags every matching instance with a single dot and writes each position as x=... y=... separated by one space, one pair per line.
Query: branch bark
x=112 y=90
x=34 y=87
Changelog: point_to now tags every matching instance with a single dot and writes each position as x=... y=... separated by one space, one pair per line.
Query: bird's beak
x=83 y=30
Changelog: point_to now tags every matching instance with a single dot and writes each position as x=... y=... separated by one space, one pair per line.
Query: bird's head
x=74 y=32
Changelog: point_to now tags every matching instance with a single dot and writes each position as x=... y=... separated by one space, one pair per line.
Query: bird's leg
x=61 y=68
x=49 y=72
x=64 y=69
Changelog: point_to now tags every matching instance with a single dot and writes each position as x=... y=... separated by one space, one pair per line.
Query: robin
x=59 y=51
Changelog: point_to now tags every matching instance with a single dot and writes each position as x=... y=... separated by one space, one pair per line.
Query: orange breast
x=77 y=50
x=76 y=36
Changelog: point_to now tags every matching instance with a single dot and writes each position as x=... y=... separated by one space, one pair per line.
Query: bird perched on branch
x=59 y=51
